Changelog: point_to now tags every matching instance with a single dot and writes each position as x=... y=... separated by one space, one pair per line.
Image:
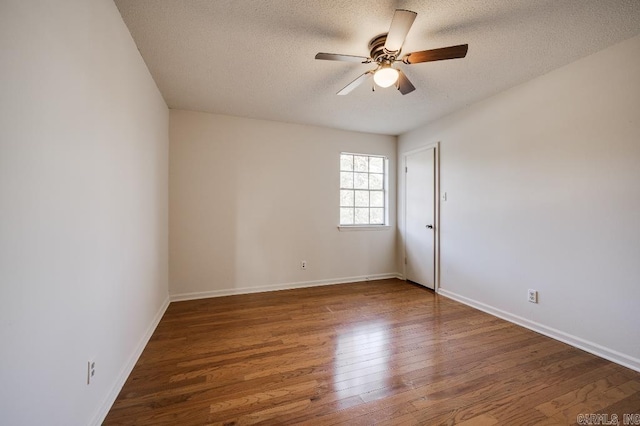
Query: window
x=363 y=184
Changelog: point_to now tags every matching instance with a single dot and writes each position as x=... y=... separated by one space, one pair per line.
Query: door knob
x=429 y=226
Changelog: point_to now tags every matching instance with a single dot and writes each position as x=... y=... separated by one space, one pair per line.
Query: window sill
x=343 y=228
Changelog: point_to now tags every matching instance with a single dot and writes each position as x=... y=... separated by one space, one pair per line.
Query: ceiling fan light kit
x=385 y=51
x=385 y=76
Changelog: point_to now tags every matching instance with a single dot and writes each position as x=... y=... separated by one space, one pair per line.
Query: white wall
x=543 y=185
x=250 y=199
x=83 y=208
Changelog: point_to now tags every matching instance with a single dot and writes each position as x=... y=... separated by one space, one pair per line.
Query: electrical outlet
x=303 y=264
x=532 y=296
x=91 y=371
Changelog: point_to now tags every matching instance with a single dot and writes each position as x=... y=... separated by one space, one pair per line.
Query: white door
x=420 y=217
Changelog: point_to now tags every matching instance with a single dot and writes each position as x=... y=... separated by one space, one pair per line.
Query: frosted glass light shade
x=386 y=76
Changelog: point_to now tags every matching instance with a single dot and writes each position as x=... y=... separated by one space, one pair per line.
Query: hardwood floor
x=380 y=352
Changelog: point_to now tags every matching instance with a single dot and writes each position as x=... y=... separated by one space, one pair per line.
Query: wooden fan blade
x=400 y=25
x=441 y=54
x=344 y=58
x=355 y=83
x=404 y=85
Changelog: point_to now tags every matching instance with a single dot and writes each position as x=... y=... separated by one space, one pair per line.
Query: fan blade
x=400 y=25
x=404 y=85
x=355 y=83
x=451 y=52
x=344 y=58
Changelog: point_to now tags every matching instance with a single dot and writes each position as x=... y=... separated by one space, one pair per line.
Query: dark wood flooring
x=380 y=352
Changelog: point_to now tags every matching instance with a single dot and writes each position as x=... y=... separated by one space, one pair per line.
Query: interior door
x=420 y=217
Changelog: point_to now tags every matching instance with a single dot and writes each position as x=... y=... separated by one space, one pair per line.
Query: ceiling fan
x=385 y=51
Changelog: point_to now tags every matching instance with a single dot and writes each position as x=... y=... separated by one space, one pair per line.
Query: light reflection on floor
x=366 y=344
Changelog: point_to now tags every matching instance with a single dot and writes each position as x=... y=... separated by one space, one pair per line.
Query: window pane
x=346 y=216
x=362 y=189
x=362 y=198
x=376 y=199
x=361 y=181
x=346 y=180
x=377 y=216
x=346 y=162
x=375 y=181
x=346 y=198
x=361 y=163
x=376 y=164
x=362 y=216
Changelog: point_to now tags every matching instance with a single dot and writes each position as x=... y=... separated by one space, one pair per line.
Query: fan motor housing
x=377 y=51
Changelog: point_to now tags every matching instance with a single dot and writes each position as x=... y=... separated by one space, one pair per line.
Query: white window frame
x=368 y=227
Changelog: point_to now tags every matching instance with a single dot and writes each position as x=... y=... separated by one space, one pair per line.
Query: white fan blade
x=400 y=25
x=344 y=58
x=355 y=83
x=404 y=85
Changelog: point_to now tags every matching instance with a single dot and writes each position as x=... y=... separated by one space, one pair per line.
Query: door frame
x=436 y=206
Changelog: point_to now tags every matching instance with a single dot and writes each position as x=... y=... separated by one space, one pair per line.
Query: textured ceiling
x=255 y=58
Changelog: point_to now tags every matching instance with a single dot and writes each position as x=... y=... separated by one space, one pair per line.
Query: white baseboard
x=585 y=345
x=284 y=286
x=101 y=414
